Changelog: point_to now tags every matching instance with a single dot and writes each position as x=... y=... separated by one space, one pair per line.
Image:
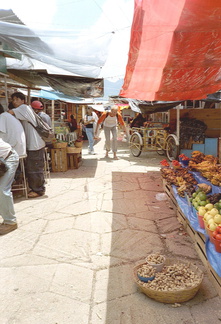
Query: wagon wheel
x=159 y=147
x=172 y=147
x=136 y=144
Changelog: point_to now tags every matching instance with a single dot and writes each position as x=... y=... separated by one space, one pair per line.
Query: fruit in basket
x=207 y=216
x=214 y=211
x=217 y=218
x=209 y=206
x=202 y=211
x=212 y=226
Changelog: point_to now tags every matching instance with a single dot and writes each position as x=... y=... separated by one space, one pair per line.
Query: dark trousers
x=35 y=170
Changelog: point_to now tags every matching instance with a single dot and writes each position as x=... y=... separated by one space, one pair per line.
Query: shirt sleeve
x=102 y=118
x=2 y=123
x=120 y=119
x=24 y=112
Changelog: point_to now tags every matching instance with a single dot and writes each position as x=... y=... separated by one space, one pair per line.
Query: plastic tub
x=157 y=266
x=217 y=244
x=201 y=221
x=145 y=279
x=210 y=234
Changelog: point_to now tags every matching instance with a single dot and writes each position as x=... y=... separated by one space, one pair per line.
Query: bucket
x=210 y=234
x=201 y=221
x=217 y=244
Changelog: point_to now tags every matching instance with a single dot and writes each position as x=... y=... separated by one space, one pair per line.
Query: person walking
x=90 y=122
x=10 y=157
x=110 y=121
x=35 y=145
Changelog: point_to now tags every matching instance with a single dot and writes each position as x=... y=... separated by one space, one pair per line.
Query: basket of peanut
x=156 y=260
x=178 y=282
x=146 y=273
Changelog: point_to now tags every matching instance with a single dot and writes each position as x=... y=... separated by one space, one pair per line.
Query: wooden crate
x=74 y=157
x=59 y=160
x=216 y=280
x=198 y=239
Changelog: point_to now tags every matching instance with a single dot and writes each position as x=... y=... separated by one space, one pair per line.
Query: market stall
x=182 y=181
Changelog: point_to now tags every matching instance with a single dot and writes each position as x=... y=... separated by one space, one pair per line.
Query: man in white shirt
x=35 y=145
x=9 y=155
x=12 y=132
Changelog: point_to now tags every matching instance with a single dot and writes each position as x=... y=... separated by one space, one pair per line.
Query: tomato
x=218 y=237
x=218 y=229
x=214 y=233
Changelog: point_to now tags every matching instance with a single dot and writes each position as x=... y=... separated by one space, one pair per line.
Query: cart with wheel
x=154 y=137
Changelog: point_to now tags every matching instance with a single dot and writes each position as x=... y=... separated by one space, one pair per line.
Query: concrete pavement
x=71 y=259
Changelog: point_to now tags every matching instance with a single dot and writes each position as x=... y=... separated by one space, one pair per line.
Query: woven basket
x=60 y=145
x=78 y=144
x=170 y=297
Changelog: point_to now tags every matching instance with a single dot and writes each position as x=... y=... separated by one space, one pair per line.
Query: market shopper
x=72 y=124
x=12 y=132
x=35 y=146
x=38 y=109
x=90 y=123
x=110 y=121
x=9 y=155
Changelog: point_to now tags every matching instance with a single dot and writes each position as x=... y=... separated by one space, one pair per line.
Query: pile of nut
x=174 y=277
x=155 y=258
x=146 y=271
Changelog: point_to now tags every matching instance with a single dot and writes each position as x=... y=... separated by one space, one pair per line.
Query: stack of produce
x=207 y=166
x=181 y=178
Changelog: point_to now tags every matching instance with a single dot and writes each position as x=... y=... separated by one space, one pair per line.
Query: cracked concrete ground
x=71 y=260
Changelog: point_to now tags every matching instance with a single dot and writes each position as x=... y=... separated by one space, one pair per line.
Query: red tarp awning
x=175 y=50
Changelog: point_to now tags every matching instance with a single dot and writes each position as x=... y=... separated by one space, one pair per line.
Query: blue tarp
x=214 y=258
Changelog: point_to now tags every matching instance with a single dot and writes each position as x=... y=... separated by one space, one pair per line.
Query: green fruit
x=194 y=195
x=202 y=196
x=202 y=203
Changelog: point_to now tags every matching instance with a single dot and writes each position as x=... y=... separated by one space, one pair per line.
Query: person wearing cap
x=34 y=143
x=38 y=108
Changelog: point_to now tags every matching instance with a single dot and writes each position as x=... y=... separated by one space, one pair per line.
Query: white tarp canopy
x=88 y=38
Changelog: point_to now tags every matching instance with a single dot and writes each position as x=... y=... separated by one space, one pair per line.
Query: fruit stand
x=197 y=202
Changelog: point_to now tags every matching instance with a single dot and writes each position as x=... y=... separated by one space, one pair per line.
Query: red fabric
x=174 y=50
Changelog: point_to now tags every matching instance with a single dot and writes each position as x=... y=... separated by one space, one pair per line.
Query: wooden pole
x=52 y=114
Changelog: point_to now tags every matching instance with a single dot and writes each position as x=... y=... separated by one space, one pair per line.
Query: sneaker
x=7 y=228
x=93 y=153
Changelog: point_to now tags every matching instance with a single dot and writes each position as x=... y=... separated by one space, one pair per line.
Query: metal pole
x=178 y=121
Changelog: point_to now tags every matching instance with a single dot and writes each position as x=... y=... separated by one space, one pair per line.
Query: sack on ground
x=3 y=167
x=43 y=129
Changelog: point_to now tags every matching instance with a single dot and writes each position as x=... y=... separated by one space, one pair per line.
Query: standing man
x=6 y=199
x=110 y=121
x=12 y=132
x=38 y=108
x=35 y=145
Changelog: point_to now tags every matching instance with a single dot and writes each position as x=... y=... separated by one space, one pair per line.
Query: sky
x=86 y=29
